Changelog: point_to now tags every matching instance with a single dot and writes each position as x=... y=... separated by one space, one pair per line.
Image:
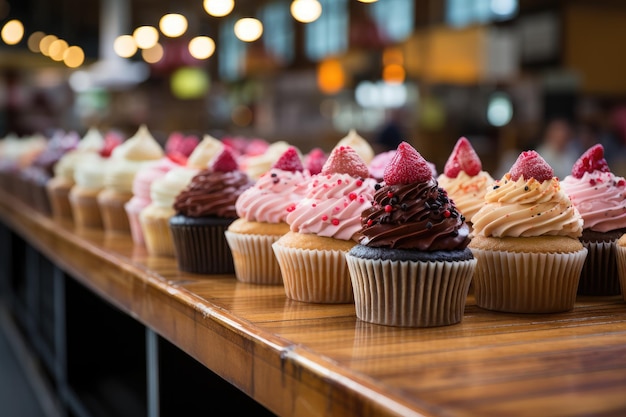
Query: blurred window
x=394 y=17
x=461 y=13
x=328 y=35
x=230 y=52
x=278 y=35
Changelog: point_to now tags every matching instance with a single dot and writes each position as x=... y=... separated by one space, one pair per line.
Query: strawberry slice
x=591 y=160
x=111 y=141
x=345 y=160
x=462 y=158
x=178 y=158
x=224 y=161
x=529 y=165
x=289 y=161
x=407 y=166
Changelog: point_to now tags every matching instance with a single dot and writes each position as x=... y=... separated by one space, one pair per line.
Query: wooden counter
x=302 y=359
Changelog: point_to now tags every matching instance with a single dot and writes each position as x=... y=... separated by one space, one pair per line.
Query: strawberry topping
x=529 y=165
x=224 y=161
x=289 y=161
x=314 y=161
x=592 y=160
x=462 y=158
x=345 y=160
x=407 y=166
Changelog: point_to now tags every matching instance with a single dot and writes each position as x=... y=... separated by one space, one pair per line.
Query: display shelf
x=299 y=359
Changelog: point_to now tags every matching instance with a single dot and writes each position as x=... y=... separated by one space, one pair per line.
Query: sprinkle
x=462 y=218
x=592 y=181
x=429 y=225
x=454 y=233
x=388 y=208
x=291 y=208
x=335 y=222
x=446 y=213
x=621 y=183
x=359 y=183
x=313 y=205
x=526 y=188
x=377 y=186
x=337 y=208
x=276 y=180
x=389 y=194
x=324 y=217
x=274 y=174
x=352 y=196
x=393 y=200
x=370 y=222
x=361 y=200
x=404 y=206
x=339 y=181
x=495 y=187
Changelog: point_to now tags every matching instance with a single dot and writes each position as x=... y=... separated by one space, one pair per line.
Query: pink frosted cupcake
x=412 y=267
x=526 y=242
x=464 y=179
x=262 y=211
x=600 y=197
x=322 y=228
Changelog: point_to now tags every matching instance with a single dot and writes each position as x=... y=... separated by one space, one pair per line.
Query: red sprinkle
x=621 y=183
x=339 y=181
x=361 y=200
x=370 y=222
x=324 y=217
x=446 y=213
x=335 y=221
x=313 y=205
x=592 y=181
x=359 y=183
x=337 y=208
x=352 y=196
x=389 y=194
x=388 y=208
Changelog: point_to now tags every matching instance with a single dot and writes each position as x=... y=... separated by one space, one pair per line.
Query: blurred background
x=508 y=74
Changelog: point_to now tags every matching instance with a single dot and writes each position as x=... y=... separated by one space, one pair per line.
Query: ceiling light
x=201 y=47
x=74 y=57
x=306 y=11
x=153 y=55
x=12 y=32
x=173 y=25
x=125 y=46
x=219 y=8
x=146 y=36
x=248 y=29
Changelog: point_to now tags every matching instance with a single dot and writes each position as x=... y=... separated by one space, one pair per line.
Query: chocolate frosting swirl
x=212 y=194
x=417 y=216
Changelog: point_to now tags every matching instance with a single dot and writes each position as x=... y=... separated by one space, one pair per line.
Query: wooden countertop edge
x=307 y=373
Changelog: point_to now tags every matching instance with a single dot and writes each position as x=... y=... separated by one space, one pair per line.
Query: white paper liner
x=409 y=293
x=527 y=282
x=599 y=274
x=314 y=276
x=254 y=259
x=620 y=254
x=158 y=236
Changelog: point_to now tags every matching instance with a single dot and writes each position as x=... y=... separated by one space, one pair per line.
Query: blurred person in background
x=560 y=147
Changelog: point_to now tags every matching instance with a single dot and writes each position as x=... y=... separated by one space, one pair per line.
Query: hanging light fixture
x=248 y=29
x=173 y=25
x=219 y=8
x=306 y=11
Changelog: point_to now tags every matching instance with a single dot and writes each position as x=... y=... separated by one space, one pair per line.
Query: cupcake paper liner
x=408 y=293
x=114 y=217
x=60 y=202
x=599 y=274
x=314 y=276
x=86 y=212
x=620 y=254
x=202 y=249
x=527 y=282
x=254 y=258
x=158 y=236
x=136 y=231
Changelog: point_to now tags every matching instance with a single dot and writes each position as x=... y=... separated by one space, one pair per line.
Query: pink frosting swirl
x=273 y=193
x=600 y=198
x=332 y=206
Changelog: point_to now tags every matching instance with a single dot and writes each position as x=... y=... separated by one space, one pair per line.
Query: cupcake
x=155 y=218
x=314 y=161
x=262 y=210
x=412 y=267
x=620 y=254
x=358 y=144
x=126 y=160
x=600 y=198
x=88 y=183
x=464 y=179
x=322 y=228
x=204 y=210
x=525 y=239
x=60 y=185
x=256 y=165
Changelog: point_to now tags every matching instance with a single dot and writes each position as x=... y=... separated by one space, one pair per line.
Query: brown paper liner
x=410 y=294
x=599 y=274
x=85 y=209
x=58 y=194
x=254 y=259
x=527 y=282
x=202 y=249
x=157 y=235
x=114 y=217
x=314 y=276
x=620 y=254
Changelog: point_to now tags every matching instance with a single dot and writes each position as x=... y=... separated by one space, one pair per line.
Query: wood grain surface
x=302 y=359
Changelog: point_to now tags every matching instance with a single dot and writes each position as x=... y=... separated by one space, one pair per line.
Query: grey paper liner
x=409 y=293
x=527 y=282
x=599 y=275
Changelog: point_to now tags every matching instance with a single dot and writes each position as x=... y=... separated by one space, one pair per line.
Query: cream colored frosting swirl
x=270 y=197
x=359 y=144
x=525 y=208
x=204 y=152
x=467 y=192
x=600 y=197
x=257 y=165
x=141 y=147
x=93 y=141
x=89 y=172
x=332 y=206
x=164 y=190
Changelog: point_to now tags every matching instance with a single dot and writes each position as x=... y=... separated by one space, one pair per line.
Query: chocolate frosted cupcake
x=412 y=267
x=205 y=209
